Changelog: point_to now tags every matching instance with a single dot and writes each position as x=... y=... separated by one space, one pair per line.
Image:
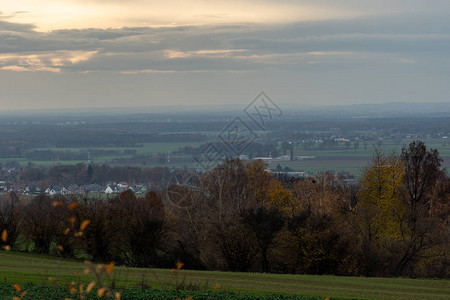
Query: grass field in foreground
x=29 y=268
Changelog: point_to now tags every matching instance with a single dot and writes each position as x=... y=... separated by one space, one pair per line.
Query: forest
x=237 y=217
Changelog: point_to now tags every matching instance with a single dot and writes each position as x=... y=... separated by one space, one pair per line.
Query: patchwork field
x=340 y=159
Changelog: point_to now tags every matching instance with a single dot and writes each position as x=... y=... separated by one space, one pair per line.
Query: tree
x=236 y=244
x=380 y=193
x=265 y=224
x=90 y=173
x=9 y=217
x=422 y=174
x=97 y=239
x=378 y=213
x=41 y=221
x=139 y=234
x=281 y=197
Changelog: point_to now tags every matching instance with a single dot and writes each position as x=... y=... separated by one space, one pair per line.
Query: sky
x=134 y=53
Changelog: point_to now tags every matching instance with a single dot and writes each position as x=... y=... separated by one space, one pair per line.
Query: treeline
x=255 y=149
x=65 y=175
x=384 y=126
x=239 y=218
x=36 y=155
x=19 y=141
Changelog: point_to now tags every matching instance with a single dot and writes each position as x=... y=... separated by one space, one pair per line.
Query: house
x=109 y=190
x=32 y=189
x=3 y=187
x=122 y=184
x=243 y=157
x=16 y=188
x=72 y=189
x=55 y=190
x=113 y=188
x=264 y=159
x=139 y=189
x=93 y=188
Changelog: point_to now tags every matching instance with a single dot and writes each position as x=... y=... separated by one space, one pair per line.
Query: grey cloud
x=15 y=27
x=378 y=38
x=381 y=58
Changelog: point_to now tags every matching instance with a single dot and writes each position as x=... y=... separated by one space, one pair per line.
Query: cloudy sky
x=121 y=53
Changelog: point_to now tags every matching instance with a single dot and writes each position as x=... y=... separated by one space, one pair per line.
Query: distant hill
x=390 y=109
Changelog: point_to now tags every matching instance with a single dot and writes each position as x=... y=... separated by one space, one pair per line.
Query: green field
x=340 y=159
x=29 y=268
x=148 y=148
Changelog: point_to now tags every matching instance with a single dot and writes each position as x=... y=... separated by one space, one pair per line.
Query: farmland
x=340 y=159
x=339 y=145
x=29 y=268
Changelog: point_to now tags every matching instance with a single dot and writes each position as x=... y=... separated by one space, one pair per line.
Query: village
x=73 y=189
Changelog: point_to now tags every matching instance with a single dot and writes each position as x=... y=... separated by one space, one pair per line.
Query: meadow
x=353 y=161
x=33 y=271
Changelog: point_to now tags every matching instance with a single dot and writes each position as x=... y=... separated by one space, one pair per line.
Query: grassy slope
x=25 y=268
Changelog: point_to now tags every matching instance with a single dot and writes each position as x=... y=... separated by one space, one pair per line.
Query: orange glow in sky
x=69 y=14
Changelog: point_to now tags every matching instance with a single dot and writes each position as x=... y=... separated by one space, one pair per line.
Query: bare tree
x=422 y=173
x=9 y=217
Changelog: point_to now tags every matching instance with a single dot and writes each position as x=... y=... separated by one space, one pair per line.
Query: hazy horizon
x=290 y=110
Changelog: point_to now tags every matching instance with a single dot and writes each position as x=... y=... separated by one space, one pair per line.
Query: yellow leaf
x=57 y=203
x=23 y=294
x=86 y=271
x=60 y=248
x=71 y=285
x=4 y=235
x=72 y=220
x=179 y=265
x=110 y=268
x=117 y=296
x=73 y=291
x=81 y=288
x=17 y=287
x=101 y=291
x=188 y=298
x=16 y=298
x=73 y=205
x=7 y=247
x=66 y=232
x=84 y=224
x=90 y=286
